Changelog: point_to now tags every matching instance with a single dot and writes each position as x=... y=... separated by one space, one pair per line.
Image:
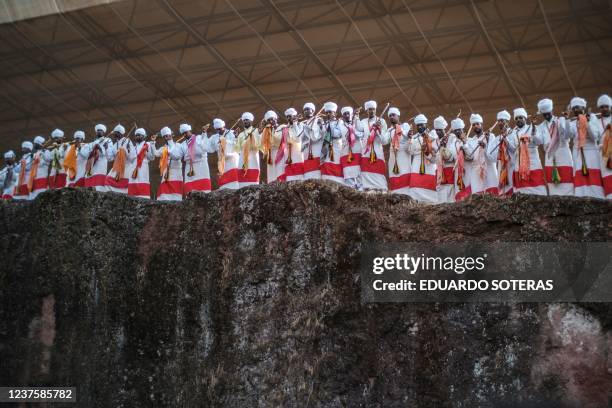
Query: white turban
x=475 y=118
x=57 y=133
x=420 y=119
x=503 y=115
x=440 y=123
x=457 y=123
x=184 y=128
x=39 y=140
x=370 y=105
x=79 y=134
x=248 y=116
x=140 y=131
x=270 y=114
x=604 y=100
x=119 y=129
x=218 y=123
x=100 y=127
x=394 y=111
x=577 y=101
x=165 y=131
x=27 y=145
x=291 y=112
x=330 y=107
x=9 y=155
x=309 y=105
x=520 y=112
x=347 y=109
x=545 y=105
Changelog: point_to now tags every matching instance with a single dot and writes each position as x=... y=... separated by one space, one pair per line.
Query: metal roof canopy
x=160 y=62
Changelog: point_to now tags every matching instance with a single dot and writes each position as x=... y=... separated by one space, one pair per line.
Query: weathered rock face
x=252 y=299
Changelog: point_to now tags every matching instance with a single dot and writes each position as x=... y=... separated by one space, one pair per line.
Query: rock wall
x=252 y=299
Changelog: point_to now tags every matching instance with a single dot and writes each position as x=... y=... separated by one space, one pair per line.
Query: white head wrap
x=475 y=118
x=457 y=123
x=577 y=101
x=140 y=131
x=291 y=112
x=440 y=123
x=119 y=129
x=165 y=131
x=393 y=110
x=270 y=114
x=330 y=107
x=520 y=112
x=248 y=116
x=370 y=105
x=218 y=123
x=39 y=140
x=545 y=105
x=347 y=109
x=79 y=134
x=309 y=105
x=27 y=145
x=100 y=127
x=184 y=128
x=604 y=100
x=503 y=115
x=9 y=155
x=57 y=133
x=420 y=119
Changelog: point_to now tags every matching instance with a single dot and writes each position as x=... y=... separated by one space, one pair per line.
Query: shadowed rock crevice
x=252 y=298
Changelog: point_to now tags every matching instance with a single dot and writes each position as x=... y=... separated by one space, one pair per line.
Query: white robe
x=400 y=183
x=606 y=173
x=57 y=174
x=248 y=174
x=9 y=179
x=171 y=185
x=331 y=165
x=590 y=185
x=119 y=183
x=535 y=184
x=97 y=178
x=423 y=185
x=561 y=158
x=448 y=153
x=227 y=178
x=373 y=174
x=312 y=143
x=294 y=168
x=41 y=179
x=21 y=191
x=140 y=186
x=350 y=156
x=489 y=181
x=200 y=179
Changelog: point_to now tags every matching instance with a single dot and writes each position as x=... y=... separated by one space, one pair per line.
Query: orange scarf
x=33 y=171
x=460 y=168
x=503 y=161
x=70 y=162
x=266 y=142
x=524 y=164
x=606 y=147
x=163 y=161
x=119 y=164
x=247 y=147
x=581 y=129
x=221 y=161
x=22 y=172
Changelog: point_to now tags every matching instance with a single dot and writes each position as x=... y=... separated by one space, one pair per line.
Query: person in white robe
x=123 y=155
x=375 y=136
x=139 y=184
x=523 y=142
x=331 y=151
x=193 y=151
x=248 y=145
x=350 y=156
x=399 y=153
x=223 y=142
x=9 y=175
x=23 y=171
x=604 y=130
x=98 y=154
x=170 y=169
x=423 y=149
x=312 y=142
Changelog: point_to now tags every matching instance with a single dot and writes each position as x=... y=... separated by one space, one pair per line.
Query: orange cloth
x=524 y=164
x=33 y=171
x=22 y=171
x=163 y=161
x=119 y=164
x=581 y=127
x=221 y=160
x=266 y=142
x=70 y=162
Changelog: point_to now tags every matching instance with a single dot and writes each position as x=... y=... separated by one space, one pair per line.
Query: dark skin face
x=271 y=122
x=520 y=121
x=440 y=133
x=421 y=128
x=547 y=116
x=330 y=115
x=477 y=128
x=371 y=112
x=394 y=119
x=25 y=150
x=139 y=137
x=290 y=119
x=187 y=135
x=458 y=133
x=347 y=116
x=99 y=133
x=247 y=123
x=578 y=110
x=501 y=124
x=604 y=110
x=10 y=161
x=308 y=113
x=168 y=137
x=37 y=146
